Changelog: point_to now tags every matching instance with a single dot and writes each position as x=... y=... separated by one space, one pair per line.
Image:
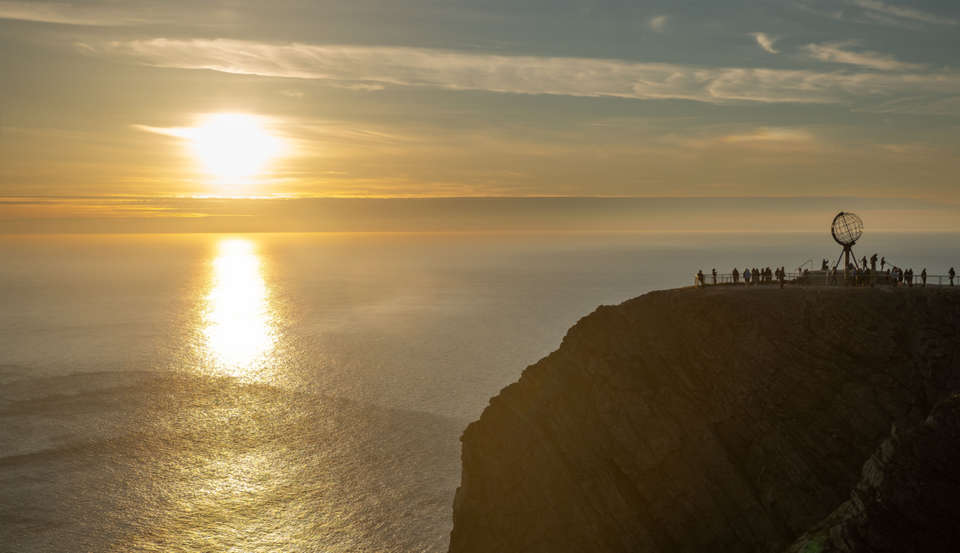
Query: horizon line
x=462 y=197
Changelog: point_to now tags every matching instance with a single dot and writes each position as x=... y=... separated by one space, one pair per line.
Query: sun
x=233 y=146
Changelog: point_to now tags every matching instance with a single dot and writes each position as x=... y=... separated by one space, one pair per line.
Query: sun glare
x=238 y=320
x=233 y=146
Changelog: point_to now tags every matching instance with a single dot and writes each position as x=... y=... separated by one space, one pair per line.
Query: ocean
x=298 y=392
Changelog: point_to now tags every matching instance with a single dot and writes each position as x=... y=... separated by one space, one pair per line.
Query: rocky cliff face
x=725 y=419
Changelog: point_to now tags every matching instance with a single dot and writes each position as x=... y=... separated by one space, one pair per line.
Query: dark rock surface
x=907 y=498
x=727 y=419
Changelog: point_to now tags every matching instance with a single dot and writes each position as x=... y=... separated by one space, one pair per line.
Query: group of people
x=750 y=276
x=825 y=265
x=901 y=277
x=758 y=276
x=862 y=275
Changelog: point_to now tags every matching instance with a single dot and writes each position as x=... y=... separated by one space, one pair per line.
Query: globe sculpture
x=846 y=229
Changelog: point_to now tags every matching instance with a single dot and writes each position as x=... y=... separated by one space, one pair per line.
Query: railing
x=828 y=278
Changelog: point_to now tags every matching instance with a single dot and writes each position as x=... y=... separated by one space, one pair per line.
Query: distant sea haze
x=265 y=392
x=145 y=214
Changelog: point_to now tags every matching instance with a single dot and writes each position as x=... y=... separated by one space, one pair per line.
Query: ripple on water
x=175 y=463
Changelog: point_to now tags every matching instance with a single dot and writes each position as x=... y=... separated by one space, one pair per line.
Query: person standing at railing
x=746 y=276
x=736 y=276
x=951 y=274
x=883 y=261
x=873 y=262
x=714 y=276
x=923 y=277
x=700 y=278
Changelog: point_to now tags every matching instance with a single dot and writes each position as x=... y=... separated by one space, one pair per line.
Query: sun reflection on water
x=238 y=323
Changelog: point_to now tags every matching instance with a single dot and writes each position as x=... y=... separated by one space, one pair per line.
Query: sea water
x=257 y=393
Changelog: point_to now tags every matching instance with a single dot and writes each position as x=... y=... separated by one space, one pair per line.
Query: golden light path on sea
x=238 y=324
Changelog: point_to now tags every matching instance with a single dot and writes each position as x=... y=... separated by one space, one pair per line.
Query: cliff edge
x=728 y=419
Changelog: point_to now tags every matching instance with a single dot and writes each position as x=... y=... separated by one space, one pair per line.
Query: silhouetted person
x=883 y=261
x=863 y=262
x=951 y=274
x=700 y=277
x=823 y=265
x=736 y=275
x=873 y=262
x=923 y=277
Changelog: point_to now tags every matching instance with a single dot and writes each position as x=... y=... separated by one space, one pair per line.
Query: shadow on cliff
x=727 y=420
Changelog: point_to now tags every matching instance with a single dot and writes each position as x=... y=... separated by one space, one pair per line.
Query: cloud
x=586 y=77
x=69 y=14
x=185 y=133
x=771 y=135
x=835 y=53
x=949 y=106
x=765 y=42
x=882 y=8
x=658 y=23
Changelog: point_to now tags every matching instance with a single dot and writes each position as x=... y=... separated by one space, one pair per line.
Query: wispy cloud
x=836 y=52
x=177 y=132
x=771 y=135
x=902 y=12
x=658 y=23
x=750 y=139
x=949 y=106
x=588 y=77
x=766 y=42
x=91 y=14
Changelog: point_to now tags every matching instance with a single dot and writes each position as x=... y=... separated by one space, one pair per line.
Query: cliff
x=728 y=419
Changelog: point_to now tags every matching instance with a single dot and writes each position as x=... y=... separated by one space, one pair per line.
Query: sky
x=114 y=112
